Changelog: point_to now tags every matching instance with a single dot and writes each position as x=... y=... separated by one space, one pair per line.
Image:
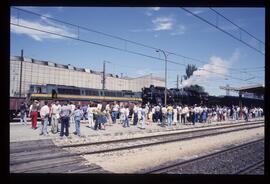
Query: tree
x=189 y=71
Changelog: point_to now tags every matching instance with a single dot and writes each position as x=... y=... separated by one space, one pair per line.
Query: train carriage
x=81 y=95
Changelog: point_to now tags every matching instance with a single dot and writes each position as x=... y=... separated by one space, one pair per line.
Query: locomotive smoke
x=211 y=71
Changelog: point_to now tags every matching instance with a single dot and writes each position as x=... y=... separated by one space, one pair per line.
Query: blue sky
x=171 y=29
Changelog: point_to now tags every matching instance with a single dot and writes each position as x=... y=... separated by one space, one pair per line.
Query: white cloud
x=162 y=23
x=179 y=30
x=37 y=35
x=46 y=16
x=196 y=11
x=209 y=72
x=155 y=8
x=149 y=12
x=148 y=71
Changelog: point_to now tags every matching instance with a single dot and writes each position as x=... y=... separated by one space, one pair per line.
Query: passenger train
x=148 y=95
x=72 y=93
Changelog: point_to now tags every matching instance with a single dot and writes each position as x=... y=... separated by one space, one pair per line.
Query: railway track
x=254 y=168
x=23 y=153
x=227 y=161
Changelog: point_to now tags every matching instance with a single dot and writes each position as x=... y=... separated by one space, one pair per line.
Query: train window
x=91 y=92
x=69 y=91
x=119 y=94
x=110 y=93
x=54 y=94
x=38 y=89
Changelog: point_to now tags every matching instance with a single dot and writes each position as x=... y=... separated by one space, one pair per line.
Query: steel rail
x=162 y=169
x=141 y=145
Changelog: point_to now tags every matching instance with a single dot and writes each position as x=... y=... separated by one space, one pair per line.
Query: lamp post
x=165 y=55
x=104 y=76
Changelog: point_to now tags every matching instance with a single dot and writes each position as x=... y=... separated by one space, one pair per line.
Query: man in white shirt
x=164 y=115
x=126 y=113
x=184 y=114
x=115 y=111
x=72 y=108
x=55 y=114
x=44 y=114
x=90 y=115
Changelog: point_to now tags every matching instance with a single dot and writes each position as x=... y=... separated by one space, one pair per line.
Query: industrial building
x=46 y=72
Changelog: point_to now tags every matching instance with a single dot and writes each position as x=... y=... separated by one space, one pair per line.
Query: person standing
x=98 y=115
x=184 y=114
x=153 y=113
x=142 y=116
x=115 y=112
x=164 y=116
x=72 y=108
x=169 y=115
x=122 y=114
x=175 y=115
x=23 y=111
x=78 y=114
x=90 y=115
x=108 y=114
x=44 y=114
x=33 y=113
x=65 y=114
x=55 y=114
x=204 y=116
x=126 y=113
x=135 y=114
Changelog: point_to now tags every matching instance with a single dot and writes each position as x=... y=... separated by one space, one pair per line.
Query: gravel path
x=135 y=160
x=147 y=141
x=228 y=162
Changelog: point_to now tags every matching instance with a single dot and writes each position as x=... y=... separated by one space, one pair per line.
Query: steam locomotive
x=155 y=95
x=187 y=96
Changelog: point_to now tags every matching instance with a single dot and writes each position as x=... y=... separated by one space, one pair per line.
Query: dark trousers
x=135 y=119
x=183 y=119
x=98 y=122
x=64 y=125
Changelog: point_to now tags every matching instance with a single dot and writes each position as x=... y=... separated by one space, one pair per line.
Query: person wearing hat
x=33 y=113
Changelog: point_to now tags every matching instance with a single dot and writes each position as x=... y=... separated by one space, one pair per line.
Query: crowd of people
x=98 y=116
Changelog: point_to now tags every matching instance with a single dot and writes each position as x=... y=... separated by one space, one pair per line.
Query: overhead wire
x=116 y=48
x=236 y=25
x=123 y=39
x=224 y=31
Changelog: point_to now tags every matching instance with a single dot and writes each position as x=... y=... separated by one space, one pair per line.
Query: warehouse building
x=45 y=72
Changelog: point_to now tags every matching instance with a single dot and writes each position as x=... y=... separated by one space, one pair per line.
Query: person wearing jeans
x=44 y=114
x=169 y=115
x=115 y=111
x=23 y=110
x=64 y=114
x=126 y=121
x=78 y=114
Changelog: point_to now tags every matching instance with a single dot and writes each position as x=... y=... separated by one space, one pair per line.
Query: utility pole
x=177 y=84
x=104 y=76
x=165 y=92
x=21 y=74
x=227 y=90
